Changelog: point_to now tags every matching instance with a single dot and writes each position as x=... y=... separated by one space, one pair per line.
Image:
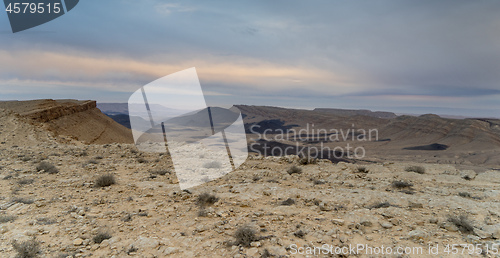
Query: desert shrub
x=105 y=180
x=416 y=169
x=245 y=236
x=127 y=218
x=47 y=167
x=307 y=160
x=467 y=177
x=27 y=249
x=379 y=205
x=23 y=200
x=26 y=181
x=6 y=218
x=132 y=249
x=300 y=234
x=266 y=254
x=7 y=177
x=288 y=202
x=362 y=170
x=256 y=178
x=465 y=195
x=401 y=184
x=142 y=160
x=212 y=164
x=93 y=161
x=463 y=224
x=206 y=199
x=294 y=170
x=319 y=181
x=101 y=237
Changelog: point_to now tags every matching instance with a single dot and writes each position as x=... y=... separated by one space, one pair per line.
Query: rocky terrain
x=146 y=215
x=61 y=197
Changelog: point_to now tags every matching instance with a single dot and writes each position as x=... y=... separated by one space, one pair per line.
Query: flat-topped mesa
x=80 y=120
x=45 y=114
x=44 y=110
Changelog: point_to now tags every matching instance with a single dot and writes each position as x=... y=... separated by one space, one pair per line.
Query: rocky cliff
x=79 y=120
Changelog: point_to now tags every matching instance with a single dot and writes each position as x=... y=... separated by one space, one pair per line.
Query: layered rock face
x=77 y=120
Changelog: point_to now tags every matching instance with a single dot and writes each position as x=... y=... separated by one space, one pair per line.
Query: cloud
x=125 y=74
x=169 y=8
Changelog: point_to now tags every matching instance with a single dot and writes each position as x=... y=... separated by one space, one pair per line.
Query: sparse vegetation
x=300 y=234
x=288 y=202
x=27 y=249
x=467 y=177
x=463 y=223
x=6 y=218
x=206 y=199
x=416 y=169
x=245 y=236
x=465 y=195
x=127 y=218
x=307 y=160
x=212 y=164
x=401 y=184
x=294 y=170
x=47 y=167
x=142 y=160
x=266 y=254
x=362 y=170
x=93 y=161
x=105 y=180
x=132 y=249
x=101 y=237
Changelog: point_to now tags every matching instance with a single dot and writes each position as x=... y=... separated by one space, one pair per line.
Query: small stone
x=78 y=242
x=170 y=250
x=255 y=244
x=339 y=222
x=252 y=252
x=4 y=229
x=481 y=233
x=366 y=222
x=386 y=225
x=417 y=234
x=104 y=243
x=433 y=220
x=449 y=226
x=324 y=206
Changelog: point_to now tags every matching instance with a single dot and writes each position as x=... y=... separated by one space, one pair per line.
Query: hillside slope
x=78 y=120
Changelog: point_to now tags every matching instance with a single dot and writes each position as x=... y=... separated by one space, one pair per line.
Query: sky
x=403 y=56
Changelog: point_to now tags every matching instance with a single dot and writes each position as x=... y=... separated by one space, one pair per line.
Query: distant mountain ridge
x=360 y=112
